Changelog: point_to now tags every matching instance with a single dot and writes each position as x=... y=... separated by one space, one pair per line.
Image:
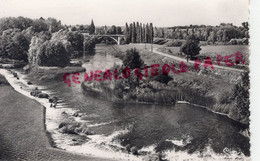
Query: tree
x=22 y=44
x=35 y=45
x=14 y=46
x=245 y=25
x=89 y=45
x=76 y=39
x=92 y=28
x=81 y=27
x=146 y=33
x=212 y=37
x=118 y=30
x=130 y=32
x=73 y=28
x=127 y=33
x=132 y=59
x=141 y=33
x=53 y=24
x=40 y=25
x=151 y=33
x=191 y=47
x=241 y=97
x=134 y=33
x=113 y=30
x=53 y=54
x=137 y=33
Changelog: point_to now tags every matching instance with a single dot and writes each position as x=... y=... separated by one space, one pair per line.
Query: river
x=176 y=132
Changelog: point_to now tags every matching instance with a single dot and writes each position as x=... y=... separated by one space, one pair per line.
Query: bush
x=174 y=43
x=225 y=98
x=160 y=41
x=233 y=42
x=241 y=98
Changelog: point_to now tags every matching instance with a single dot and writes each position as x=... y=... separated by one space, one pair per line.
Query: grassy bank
x=48 y=73
x=23 y=133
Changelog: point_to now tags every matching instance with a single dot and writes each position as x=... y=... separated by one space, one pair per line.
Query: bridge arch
x=117 y=41
x=116 y=38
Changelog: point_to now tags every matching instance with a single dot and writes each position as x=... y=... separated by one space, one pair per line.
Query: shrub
x=225 y=98
x=233 y=42
x=174 y=43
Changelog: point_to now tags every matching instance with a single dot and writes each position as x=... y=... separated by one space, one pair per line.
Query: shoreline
x=86 y=88
x=41 y=144
x=51 y=140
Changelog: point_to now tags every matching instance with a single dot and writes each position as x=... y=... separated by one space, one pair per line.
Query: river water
x=177 y=132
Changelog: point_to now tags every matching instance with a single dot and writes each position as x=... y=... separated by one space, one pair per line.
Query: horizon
x=170 y=12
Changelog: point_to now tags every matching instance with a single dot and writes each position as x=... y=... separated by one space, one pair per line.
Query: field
x=212 y=51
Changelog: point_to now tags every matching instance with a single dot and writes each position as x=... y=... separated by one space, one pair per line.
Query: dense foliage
x=41 y=42
x=241 y=97
x=132 y=59
x=222 y=33
x=14 y=45
x=191 y=47
x=139 y=33
x=53 y=53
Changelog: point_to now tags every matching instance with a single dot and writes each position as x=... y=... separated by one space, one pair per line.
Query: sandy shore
x=22 y=130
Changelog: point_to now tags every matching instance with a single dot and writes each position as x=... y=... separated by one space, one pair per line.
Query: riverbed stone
x=134 y=150
x=43 y=95
x=29 y=83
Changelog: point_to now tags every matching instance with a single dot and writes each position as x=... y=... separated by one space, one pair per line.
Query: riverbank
x=23 y=133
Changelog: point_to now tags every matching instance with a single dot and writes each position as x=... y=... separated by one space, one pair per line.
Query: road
x=193 y=62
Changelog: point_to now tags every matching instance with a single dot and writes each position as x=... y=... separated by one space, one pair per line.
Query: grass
x=3 y=81
x=213 y=51
x=47 y=73
x=23 y=134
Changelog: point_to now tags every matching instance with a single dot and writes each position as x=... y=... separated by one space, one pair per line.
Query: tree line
x=222 y=33
x=43 y=42
x=139 y=33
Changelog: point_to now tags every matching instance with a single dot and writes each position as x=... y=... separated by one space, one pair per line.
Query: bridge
x=117 y=38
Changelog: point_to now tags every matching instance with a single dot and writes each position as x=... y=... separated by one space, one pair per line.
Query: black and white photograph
x=148 y=80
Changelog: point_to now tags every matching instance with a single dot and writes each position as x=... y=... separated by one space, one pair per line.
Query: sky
x=162 y=13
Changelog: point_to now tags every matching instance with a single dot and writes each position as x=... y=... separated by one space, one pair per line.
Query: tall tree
x=92 y=28
x=137 y=33
x=130 y=32
x=141 y=33
x=147 y=33
x=127 y=34
x=134 y=33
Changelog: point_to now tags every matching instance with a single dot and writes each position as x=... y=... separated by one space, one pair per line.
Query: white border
x=254 y=23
